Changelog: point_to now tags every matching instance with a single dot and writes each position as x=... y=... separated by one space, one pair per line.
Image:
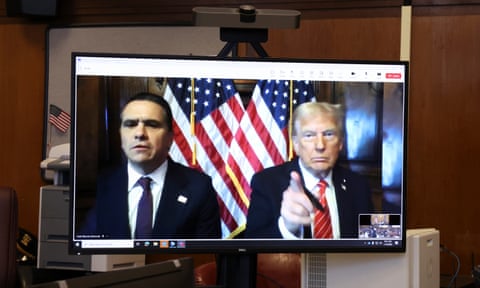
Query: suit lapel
x=112 y=214
x=172 y=202
x=344 y=199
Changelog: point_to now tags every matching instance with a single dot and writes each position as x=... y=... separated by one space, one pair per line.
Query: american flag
x=263 y=138
x=204 y=130
x=59 y=118
x=215 y=134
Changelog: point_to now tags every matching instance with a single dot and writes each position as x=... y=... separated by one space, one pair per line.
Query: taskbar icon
x=161 y=244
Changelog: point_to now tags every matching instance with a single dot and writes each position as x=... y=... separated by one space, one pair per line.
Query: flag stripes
x=217 y=135
x=218 y=108
x=59 y=118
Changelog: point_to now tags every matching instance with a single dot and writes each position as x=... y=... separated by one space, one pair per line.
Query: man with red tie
x=311 y=196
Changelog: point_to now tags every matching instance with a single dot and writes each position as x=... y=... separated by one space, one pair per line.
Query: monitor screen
x=231 y=123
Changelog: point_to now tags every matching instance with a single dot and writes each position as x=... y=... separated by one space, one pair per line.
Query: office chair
x=8 y=236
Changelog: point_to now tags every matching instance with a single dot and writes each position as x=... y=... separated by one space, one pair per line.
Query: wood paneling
x=176 y=12
x=339 y=38
x=22 y=76
x=171 y=10
x=443 y=138
x=430 y=3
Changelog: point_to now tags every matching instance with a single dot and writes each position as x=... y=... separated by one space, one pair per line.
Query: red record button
x=393 y=75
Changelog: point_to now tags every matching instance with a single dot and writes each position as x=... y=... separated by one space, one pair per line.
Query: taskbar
x=243 y=244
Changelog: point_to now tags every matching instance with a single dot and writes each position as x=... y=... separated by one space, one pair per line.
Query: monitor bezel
x=245 y=246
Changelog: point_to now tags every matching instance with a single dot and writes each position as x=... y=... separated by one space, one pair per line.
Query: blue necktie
x=143 y=229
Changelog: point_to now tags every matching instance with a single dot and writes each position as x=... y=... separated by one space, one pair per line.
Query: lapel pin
x=182 y=199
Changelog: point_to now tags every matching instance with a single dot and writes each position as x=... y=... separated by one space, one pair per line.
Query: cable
x=270 y=280
x=455 y=275
x=475 y=272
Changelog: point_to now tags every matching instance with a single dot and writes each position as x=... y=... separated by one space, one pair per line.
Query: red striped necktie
x=322 y=224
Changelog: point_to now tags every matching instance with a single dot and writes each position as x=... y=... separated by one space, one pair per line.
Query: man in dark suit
x=284 y=198
x=181 y=201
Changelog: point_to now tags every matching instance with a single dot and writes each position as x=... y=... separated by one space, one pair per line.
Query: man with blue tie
x=310 y=196
x=151 y=196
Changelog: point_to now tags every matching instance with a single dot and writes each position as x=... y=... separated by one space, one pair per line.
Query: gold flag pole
x=290 y=124
x=192 y=122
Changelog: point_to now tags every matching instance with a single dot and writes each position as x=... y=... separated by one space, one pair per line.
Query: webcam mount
x=245 y=24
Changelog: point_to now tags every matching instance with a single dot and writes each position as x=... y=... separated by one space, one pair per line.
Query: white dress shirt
x=135 y=192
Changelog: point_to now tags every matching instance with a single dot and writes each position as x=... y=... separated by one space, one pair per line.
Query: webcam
x=247 y=13
x=246 y=16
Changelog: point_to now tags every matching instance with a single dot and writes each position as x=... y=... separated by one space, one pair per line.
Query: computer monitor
x=244 y=130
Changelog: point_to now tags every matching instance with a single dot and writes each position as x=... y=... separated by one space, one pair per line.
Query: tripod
x=234 y=36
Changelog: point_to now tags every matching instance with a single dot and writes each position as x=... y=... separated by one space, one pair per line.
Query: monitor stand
x=237 y=270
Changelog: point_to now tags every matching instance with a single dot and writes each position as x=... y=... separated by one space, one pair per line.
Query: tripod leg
x=229 y=47
x=259 y=49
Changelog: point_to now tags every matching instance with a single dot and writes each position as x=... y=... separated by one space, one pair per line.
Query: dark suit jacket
x=197 y=218
x=352 y=192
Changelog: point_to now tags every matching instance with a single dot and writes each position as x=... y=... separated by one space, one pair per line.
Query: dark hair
x=155 y=99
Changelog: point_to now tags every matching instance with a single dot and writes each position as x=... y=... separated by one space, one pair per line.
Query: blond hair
x=308 y=109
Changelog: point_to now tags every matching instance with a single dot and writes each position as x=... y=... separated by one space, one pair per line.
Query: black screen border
x=246 y=246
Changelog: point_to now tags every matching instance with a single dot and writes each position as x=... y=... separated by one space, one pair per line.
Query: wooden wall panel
x=358 y=38
x=22 y=74
x=443 y=131
x=172 y=10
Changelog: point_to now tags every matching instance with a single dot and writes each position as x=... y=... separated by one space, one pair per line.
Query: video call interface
x=209 y=96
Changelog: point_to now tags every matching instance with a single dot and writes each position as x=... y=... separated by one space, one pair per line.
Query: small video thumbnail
x=374 y=226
